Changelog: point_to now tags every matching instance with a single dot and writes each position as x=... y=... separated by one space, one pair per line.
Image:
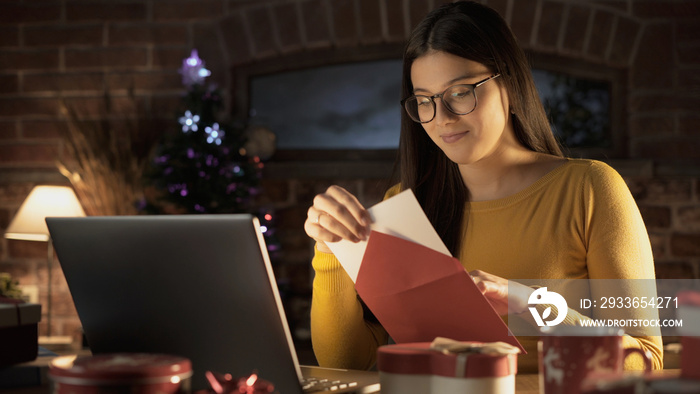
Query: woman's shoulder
x=596 y=175
x=595 y=169
x=588 y=163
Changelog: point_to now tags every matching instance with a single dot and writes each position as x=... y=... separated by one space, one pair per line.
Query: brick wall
x=76 y=49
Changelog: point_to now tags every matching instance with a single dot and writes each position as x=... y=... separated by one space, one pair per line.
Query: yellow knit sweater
x=579 y=221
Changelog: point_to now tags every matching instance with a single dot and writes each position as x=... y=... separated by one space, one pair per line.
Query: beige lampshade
x=42 y=202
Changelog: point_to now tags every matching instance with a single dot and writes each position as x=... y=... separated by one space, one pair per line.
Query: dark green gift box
x=18 y=331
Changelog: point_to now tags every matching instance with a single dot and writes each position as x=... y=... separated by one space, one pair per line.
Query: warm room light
x=29 y=223
x=43 y=201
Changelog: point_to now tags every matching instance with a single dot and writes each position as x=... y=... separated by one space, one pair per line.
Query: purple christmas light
x=193 y=71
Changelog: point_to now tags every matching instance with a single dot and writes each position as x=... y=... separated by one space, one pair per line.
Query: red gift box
x=18 y=331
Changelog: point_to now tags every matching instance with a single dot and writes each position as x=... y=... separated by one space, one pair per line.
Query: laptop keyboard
x=313 y=385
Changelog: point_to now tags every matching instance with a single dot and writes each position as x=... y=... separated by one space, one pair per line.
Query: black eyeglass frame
x=472 y=87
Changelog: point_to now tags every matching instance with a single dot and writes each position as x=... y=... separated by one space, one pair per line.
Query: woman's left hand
x=506 y=297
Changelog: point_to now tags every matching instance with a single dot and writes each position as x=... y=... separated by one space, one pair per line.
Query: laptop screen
x=198 y=286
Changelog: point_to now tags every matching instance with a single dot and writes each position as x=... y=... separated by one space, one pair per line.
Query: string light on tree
x=189 y=122
x=193 y=71
x=208 y=168
x=214 y=134
x=268 y=228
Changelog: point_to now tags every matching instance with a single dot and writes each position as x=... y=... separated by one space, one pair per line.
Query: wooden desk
x=524 y=383
x=527 y=384
x=530 y=384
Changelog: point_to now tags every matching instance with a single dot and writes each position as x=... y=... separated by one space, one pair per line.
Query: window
x=355 y=105
x=577 y=108
x=348 y=106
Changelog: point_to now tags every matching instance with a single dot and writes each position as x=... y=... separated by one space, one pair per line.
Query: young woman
x=478 y=152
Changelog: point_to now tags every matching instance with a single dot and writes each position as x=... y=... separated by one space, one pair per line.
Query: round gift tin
x=132 y=373
x=413 y=368
x=418 y=358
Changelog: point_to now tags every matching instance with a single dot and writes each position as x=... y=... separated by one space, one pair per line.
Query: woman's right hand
x=336 y=215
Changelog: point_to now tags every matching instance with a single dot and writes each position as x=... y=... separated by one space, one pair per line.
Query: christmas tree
x=204 y=167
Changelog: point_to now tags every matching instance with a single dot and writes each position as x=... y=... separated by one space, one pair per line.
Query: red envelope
x=419 y=294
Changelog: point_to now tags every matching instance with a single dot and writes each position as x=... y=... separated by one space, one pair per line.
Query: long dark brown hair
x=478 y=33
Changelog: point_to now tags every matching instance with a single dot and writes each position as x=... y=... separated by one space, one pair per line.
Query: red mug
x=568 y=355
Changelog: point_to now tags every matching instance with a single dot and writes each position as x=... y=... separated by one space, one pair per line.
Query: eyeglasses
x=458 y=99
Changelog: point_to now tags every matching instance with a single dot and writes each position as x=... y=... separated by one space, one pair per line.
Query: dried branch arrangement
x=105 y=157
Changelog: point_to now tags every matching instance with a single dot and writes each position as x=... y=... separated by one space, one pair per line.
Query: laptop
x=198 y=286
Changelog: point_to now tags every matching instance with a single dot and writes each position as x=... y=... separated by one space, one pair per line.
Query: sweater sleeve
x=619 y=248
x=340 y=334
x=341 y=337
x=618 y=259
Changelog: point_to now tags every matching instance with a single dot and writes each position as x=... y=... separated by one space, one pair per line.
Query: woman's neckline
x=507 y=200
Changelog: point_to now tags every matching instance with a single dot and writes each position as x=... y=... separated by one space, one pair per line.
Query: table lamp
x=29 y=224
